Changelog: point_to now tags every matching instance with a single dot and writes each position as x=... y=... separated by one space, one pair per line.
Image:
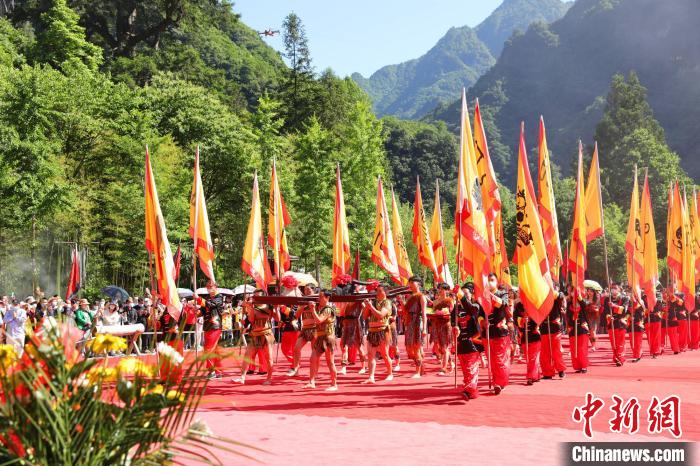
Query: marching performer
x=306 y=334
x=467 y=330
x=695 y=325
x=324 y=340
x=654 y=321
x=682 y=318
x=261 y=338
x=552 y=358
x=530 y=341
x=617 y=315
x=637 y=330
x=416 y=324
x=379 y=333
x=352 y=338
x=442 y=331
x=578 y=330
x=499 y=335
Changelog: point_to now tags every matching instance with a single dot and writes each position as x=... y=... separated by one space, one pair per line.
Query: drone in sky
x=268 y=33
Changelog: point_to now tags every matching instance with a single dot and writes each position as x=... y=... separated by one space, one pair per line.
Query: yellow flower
x=101 y=374
x=8 y=355
x=173 y=394
x=136 y=367
x=104 y=343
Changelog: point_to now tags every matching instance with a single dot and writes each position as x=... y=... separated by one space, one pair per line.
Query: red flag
x=74 y=278
x=356 y=267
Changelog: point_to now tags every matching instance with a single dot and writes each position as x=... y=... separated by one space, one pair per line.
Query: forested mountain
x=413 y=88
x=563 y=71
x=85 y=86
x=517 y=15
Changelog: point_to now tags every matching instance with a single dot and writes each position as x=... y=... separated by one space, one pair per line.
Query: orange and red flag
x=547 y=207
x=254 y=261
x=650 y=274
x=278 y=220
x=383 y=252
x=199 y=224
x=577 y=260
x=421 y=235
x=341 y=237
x=594 y=201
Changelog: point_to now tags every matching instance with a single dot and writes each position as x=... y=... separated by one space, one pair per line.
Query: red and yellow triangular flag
x=594 y=201
x=158 y=246
x=383 y=253
x=277 y=222
x=633 y=244
x=254 y=261
x=399 y=242
x=547 y=207
x=420 y=233
x=534 y=282
x=199 y=224
x=577 y=250
x=341 y=237
x=650 y=274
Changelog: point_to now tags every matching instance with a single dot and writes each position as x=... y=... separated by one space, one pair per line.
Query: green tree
x=628 y=135
x=62 y=41
x=315 y=194
x=298 y=86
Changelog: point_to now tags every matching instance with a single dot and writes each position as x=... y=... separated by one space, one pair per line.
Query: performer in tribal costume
x=379 y=334
x=324 y=340
x=262 y=339
x=442 y=329
x=352 y=338
x=415 y=325
x=394 y=344
x=499 y=335
x=306 y=334
x=467 y=330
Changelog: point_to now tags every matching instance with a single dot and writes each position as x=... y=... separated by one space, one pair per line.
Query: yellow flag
x=547 y=207
x=254 y=261
x=437 y=239
x=577 y=250
x=341 y=237
x=158 y=246
x=403 y=262
x=499 y=259
x=199 y=224
x=650 y=274
x=534 y=284
x=695 y=230
x=674 y=234
x=383 y=252
x=688 y=272
x=471 y=232
x=594 y=201
x=421 y=235
x=277 y=222
x=489 y=185
x=633 y=243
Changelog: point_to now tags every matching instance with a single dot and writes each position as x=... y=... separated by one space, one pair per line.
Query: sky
x=364 y=35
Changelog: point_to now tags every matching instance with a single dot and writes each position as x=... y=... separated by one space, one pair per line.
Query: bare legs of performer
x=315 y=362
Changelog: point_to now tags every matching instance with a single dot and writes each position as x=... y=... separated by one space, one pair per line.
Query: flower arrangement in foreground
x=57 y=407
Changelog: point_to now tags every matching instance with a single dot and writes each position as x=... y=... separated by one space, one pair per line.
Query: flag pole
x=605 y=255
x=634 y=291
x=194 y=226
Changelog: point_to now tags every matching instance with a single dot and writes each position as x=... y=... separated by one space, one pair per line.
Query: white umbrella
x=223 y=291
x=184 y=292
x=243 y=289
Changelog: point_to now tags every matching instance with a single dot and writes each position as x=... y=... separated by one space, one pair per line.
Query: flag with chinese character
x=534 y=282
x=471 y=232
x=547 y=207
x=404 y=264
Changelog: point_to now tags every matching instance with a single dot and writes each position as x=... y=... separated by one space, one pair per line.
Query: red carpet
x=276 y=417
